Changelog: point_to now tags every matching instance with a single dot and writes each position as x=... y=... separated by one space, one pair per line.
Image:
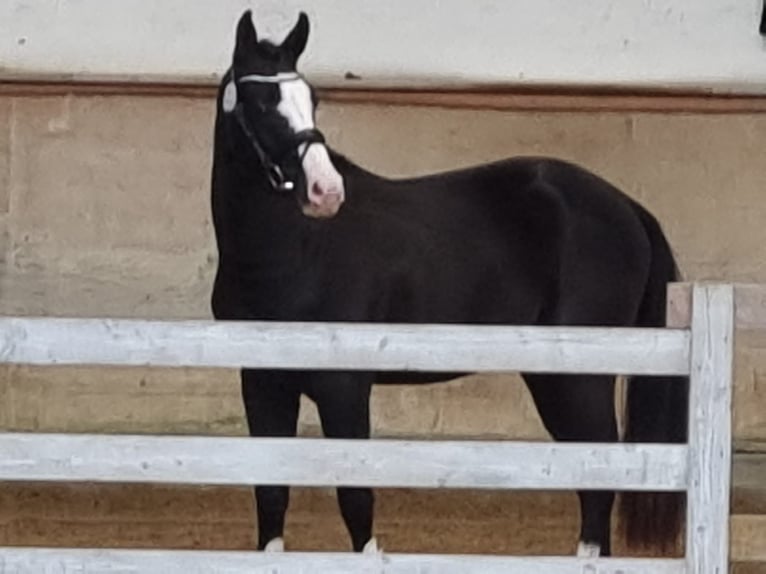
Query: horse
x=305 y=234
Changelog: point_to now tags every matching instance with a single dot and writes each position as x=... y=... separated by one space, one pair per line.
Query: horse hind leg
x=581 y=409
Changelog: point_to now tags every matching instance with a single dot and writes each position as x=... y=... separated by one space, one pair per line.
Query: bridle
x=232 y=105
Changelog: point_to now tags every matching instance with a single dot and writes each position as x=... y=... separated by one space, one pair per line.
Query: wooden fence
x=701 y=346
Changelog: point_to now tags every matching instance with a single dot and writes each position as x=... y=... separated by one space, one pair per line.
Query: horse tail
x=656 y=410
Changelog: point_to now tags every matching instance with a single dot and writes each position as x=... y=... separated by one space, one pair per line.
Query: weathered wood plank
x=322 y=462
x=450 y=348
x=35 y=560
x=707 y=532
x=750 y=305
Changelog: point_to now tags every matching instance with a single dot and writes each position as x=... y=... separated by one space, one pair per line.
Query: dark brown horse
x=304 y=234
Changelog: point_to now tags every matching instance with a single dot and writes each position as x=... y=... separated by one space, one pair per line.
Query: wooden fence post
x=712 y=326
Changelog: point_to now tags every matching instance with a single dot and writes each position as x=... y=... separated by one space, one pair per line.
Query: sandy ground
x=223 y=518
x=133 y=516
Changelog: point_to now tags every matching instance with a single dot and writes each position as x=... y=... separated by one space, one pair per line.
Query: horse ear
x=247 y=38
x=296 y=40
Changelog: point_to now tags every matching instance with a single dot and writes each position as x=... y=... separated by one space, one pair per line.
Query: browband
x=230 y=97
x=272 y=79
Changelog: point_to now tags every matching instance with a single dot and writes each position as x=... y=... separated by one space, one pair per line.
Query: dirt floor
x=222 y=518
x=142 y=516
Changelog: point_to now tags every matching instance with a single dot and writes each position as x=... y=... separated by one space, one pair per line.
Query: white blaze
x=325 y=184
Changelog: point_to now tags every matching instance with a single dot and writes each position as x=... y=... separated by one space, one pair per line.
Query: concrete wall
x=690 y=44
x=104 y=211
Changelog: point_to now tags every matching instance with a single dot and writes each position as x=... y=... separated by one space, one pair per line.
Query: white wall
x=710 y=45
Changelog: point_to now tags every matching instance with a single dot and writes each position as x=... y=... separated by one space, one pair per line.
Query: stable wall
x=700 y=45
x=104 y=212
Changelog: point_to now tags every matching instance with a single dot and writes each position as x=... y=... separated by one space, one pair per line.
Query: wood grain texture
x=322 y=462
x=705 y=352
x=749 y=303
x=28 y=561
x=343 y=346
x=707 y=531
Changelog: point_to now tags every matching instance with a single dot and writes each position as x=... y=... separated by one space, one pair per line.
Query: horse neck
x=255 y=226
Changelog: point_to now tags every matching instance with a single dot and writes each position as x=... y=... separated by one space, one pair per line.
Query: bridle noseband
x=274 y=172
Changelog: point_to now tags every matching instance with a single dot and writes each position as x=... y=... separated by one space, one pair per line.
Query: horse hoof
x=372 y=547
x=275 y=545
x=588 y=550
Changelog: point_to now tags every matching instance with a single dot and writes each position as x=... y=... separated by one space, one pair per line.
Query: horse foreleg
x=272 y=401
x=588 y=550
x=343 y=402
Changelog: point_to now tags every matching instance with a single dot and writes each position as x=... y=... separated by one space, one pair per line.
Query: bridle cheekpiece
x=307 y=137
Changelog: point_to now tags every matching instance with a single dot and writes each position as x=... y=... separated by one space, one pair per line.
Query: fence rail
x=701 y=467
x=321 y=462
x=198 y=562
x=353 y=346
